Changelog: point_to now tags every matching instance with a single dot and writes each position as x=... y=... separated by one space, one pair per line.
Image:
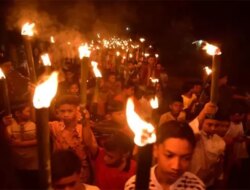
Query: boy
x=175 y=113
x=66 y=170
x=173 y=151
x=22 y=135
x=113 y=164
x=69 y=134
x=208 y=153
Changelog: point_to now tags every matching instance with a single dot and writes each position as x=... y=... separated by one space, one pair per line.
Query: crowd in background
x=101 y=154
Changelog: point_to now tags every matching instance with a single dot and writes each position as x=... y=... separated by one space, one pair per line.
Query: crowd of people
x=200 y=144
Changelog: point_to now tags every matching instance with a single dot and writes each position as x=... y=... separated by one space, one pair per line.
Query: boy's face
x=112 y=78
x=237 y=118
x=69 y=183
x=67 y=112
x=74 y=89
x=26 y=113
x=222 y=128
x=113 y=158
x=210 y=126
x=176 y=107
x=173 y=158
x=119 y=117
x=197 y=89
x=130 y=91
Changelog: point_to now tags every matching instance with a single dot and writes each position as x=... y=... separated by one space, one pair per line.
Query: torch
x=154 y=81
x=5 y=95
x=46 y=63
x=84 y=54
x=98 y=75
x=142 y=40
x=27 y=32
x=43 y=95
x=214 y=51
x=144 y=137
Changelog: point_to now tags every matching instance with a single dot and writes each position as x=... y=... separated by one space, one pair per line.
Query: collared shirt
x=169 y=117
x=77 y=140
x=207 y=157
x=187 y=181
x=239 y=148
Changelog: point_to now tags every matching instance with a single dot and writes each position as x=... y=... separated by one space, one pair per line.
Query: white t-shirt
x=187 y=101
x=90 y=187
x=187 y=181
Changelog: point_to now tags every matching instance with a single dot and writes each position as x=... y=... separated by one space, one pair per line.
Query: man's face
x=113 y=158
x=173 y=158
x=176 y=107
x=210 y=126
x=67 y=112
x=67 y=183
x=222 y=128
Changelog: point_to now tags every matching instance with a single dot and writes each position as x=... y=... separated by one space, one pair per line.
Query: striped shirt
x=187 y=181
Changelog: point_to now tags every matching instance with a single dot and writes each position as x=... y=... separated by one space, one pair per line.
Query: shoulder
x=130 y=184
x=56 y=126
x=190 y=181
x=90 y=187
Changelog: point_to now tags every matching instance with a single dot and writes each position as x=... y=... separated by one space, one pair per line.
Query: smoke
x=71 y=21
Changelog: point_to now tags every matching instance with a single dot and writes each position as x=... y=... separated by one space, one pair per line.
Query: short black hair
x=176 y=98
x=187 y=87
x=68 y=99
x=175 y=129
x=64 y=163
x=119 y=141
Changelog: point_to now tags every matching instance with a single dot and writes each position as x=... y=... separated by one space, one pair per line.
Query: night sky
x=171 y=26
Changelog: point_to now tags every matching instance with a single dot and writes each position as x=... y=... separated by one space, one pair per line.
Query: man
x=173 y=151
x=66 y=170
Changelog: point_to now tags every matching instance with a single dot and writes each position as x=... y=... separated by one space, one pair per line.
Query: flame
x=154 y=102
x=154 y=80
x=84 y=51
x=144 y=132
x=156 y=55
x=46 y=59
x=142 y=40
x=52 y=40
x=146 y=54
x=2 y=76
x=208 y=70
x=27 y=29
x=130 y=55
x=45 y=91
x=97 y=72
x=118 y=53
x=211 y=49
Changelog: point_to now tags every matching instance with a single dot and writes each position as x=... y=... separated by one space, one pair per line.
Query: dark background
x=170 y=26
